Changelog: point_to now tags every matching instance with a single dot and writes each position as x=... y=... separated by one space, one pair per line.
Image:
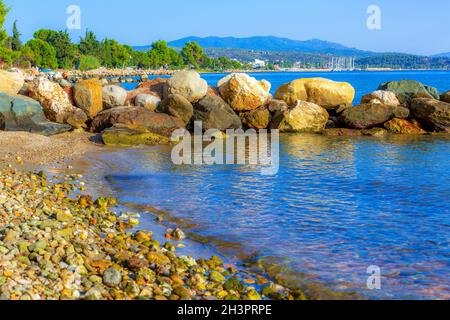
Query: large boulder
x=381 y=97
x=323 y=92
x=406 y=90
x=153 y=87
x=88 y=96
x=244 y=93
x=367 y=116
x=304 y=117
x=53 y=98
x=188 y=84
x=147 y=101
x=125 y=136
x=403 y=126
x=216 y=114
x=178 y=106
x=159 y=123
x=433 y=114
x=445 y=97
x=113 y=96
x=22 y=113
x=256 y=119
x=11 y=82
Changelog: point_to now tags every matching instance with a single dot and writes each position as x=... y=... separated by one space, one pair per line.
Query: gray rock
x=147 y=101
x=367 y=116
x=433 y=114
x=177 y=106
x=405 y=90
x=21 y=113
x=188 y=84
x=112 y=277
x=113 y=96
x=216 y=114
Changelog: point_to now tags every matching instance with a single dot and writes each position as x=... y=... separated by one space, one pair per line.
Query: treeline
x=403 y=61
x=50 y=49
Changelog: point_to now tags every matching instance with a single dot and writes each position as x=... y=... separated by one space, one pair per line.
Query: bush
x=88 y=63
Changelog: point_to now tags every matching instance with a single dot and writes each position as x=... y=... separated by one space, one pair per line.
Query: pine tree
x=16 y=44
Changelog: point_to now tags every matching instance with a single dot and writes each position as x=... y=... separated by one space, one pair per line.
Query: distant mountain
x=442 y=55
x=271 y=43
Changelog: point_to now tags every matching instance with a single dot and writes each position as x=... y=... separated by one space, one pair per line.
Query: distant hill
x=271 y=43
x=442 y=55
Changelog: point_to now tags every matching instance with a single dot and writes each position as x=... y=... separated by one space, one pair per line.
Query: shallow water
x=336 y=207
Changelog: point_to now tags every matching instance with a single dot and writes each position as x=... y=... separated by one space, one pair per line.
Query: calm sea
x=336 y=207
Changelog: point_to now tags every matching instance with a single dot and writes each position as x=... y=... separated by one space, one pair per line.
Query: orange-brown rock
x=403 y=126
x=88 y=96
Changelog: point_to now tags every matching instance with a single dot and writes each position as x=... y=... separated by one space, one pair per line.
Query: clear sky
x=412 y=26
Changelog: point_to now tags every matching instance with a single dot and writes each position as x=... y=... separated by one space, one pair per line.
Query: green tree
x=113 y=54
x=193 y=54
x=89 y=45
x=26 y=58
x=44 y=54
x=3 y=12
x=16 y=44
x=88 y=63
x=161 y=55
x=66 y=51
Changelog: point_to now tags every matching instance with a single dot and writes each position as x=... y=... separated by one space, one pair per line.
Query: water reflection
x=336 y=206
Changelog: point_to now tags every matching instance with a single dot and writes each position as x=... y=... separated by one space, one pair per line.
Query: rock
x=112 y=277
x=178 y=106
x=216 y=276
x=304 y=117
x=381 y=97
x=445 y=97
x=341 y=132
x=178 y=234
x=113 y=96
x=124 y=136
x=158 y=259
x=153 y=87
x=188 y=84
x=433 y=115
x=147 y=101
x=158 y=123
x=11 y=82
x=257 y=119
x=53 y=98
x=403 y=126
x=406 y=89
x=323 y=92
x=244 y=93
x=277 y=105
x=64 y=216
x=216 y=114
x=77 y=119
x=22 y=113
x=2 y=122
x=366 y=116
x=88 y=96
x=375 y=132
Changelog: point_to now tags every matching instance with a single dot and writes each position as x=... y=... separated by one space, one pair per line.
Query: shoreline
x=66 y=172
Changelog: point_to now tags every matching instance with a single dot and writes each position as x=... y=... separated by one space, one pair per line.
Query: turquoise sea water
x=336 y=207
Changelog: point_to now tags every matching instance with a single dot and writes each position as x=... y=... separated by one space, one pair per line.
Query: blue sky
x=412 y=26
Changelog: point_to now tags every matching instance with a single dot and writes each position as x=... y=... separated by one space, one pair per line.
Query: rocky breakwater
x=56 y=243
x=150 y=113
